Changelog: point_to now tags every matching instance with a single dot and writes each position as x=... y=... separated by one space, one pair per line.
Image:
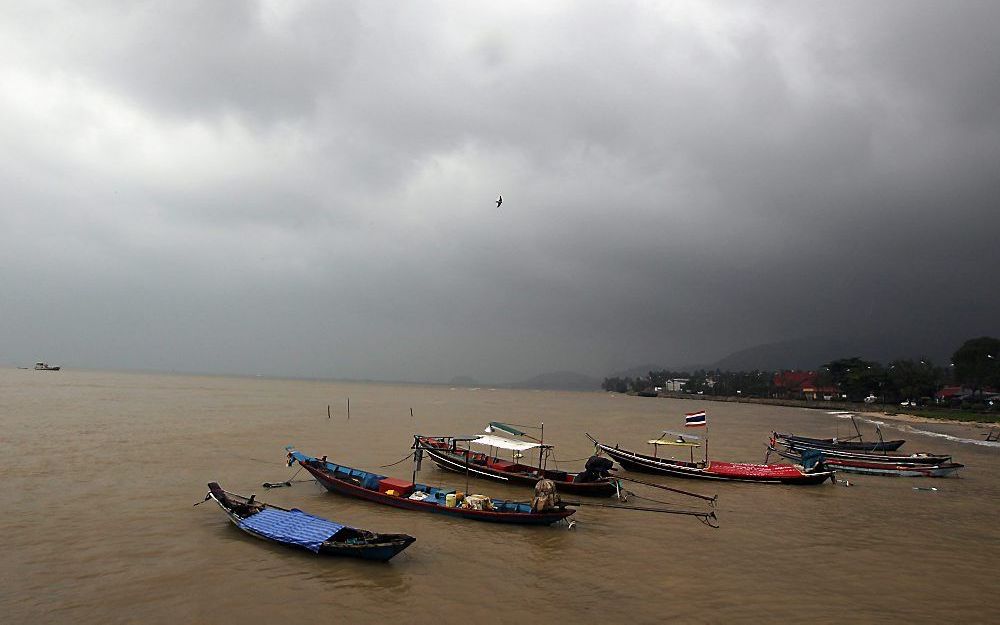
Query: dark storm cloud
x=306 y=188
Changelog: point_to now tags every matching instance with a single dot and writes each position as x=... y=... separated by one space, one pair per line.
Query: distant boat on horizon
x=42 y=366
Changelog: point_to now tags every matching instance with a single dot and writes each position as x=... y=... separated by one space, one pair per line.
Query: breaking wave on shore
x=905 y=427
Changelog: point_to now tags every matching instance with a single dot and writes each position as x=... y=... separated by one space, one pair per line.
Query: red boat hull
x=714 y=470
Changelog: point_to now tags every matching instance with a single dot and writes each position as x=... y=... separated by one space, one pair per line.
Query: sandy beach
x=909 y=418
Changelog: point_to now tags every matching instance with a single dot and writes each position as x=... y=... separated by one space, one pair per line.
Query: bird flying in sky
x=499 y=200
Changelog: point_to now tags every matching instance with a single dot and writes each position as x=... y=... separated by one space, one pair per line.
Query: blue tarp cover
x=293 y=527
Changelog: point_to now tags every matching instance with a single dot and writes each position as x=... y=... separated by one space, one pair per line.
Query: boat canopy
x=504 y=443
x=503 y=427
x=660 y=441
x=680 y=442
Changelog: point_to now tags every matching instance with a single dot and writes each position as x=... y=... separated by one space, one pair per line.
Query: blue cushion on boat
x=370 y=481
x=292 y=527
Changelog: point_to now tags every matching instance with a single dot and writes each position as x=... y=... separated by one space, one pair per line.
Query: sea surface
x=101 y=470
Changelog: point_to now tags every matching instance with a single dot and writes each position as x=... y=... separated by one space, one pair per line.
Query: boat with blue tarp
x=409 y=495
x=300 y=529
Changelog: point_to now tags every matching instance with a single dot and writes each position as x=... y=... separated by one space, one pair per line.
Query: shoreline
x=912 y=418
x=844 y=406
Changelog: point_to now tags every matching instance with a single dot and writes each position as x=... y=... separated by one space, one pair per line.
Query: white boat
x=42 y=366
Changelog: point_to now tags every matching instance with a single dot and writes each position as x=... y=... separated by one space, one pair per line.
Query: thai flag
x=695 y=419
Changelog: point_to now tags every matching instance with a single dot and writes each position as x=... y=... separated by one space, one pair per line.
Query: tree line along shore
x=965 y=389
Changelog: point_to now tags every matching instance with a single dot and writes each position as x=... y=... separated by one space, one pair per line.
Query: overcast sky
x=307 y=188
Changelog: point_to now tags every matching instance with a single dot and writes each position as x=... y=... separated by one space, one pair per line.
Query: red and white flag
x=695 y=419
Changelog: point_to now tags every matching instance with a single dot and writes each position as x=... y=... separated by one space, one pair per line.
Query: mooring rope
x=556 y=462
x=386 y=466
x=665 y=503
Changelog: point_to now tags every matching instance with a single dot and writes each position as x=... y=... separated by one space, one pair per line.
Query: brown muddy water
x=100 y=471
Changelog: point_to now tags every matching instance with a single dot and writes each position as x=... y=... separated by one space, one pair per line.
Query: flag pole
x=706 y=438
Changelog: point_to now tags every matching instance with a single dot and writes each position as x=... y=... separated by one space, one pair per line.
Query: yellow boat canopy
x=660 y=441
x=679 y=442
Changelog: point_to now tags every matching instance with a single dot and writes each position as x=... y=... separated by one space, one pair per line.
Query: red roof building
x=794 y=381
x=801 y=384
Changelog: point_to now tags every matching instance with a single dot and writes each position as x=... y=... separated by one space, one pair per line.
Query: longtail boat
x=869 y=467
x=711 y=469
x=854 y=443
x=298 y=529
x=837 y=444
x=409 y=495
x=446 y=452
x=884 y=457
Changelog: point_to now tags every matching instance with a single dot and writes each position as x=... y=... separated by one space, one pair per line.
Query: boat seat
x=502 y=465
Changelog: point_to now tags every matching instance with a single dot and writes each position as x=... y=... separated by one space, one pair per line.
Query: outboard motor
x=812 y=461
x=596 y=469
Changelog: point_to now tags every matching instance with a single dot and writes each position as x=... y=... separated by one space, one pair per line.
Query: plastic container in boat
x=449 y=500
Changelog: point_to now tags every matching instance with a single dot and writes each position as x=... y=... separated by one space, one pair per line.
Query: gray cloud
x=306 y=188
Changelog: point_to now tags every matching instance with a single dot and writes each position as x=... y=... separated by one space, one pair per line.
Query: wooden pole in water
x=856 y=429
x=348 y=408
x=467 y=460
x=695 y=513
x=411 y=412
x=328 y=411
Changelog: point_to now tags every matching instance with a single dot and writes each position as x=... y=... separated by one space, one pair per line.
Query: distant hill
x=802 y=354
x=810 y=353
x=637 y=372
x=561 y=380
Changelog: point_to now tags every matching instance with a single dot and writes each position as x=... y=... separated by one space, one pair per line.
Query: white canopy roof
x=504 y=443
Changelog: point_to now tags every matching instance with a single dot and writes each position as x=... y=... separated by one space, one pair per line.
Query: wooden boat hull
x=326 y=474
x=376 y=547
x=717 y=471
x=894 y=470
x=909 y=459
x=887 y=469
x=492 y=469
x=830 y=443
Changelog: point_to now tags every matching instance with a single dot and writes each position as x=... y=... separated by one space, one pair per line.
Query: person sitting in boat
x=546 y=497
x=596 y=469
